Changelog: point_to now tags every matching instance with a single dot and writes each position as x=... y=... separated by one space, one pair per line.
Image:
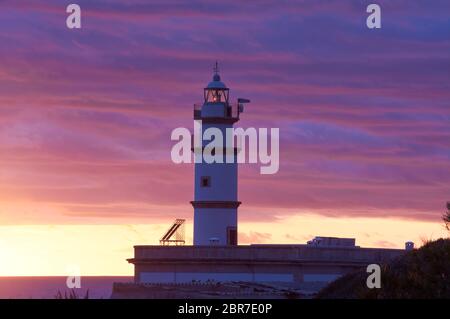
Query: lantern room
x=216 y=91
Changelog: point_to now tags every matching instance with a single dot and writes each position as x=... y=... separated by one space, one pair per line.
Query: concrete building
x=215 y=255
x=290 y=265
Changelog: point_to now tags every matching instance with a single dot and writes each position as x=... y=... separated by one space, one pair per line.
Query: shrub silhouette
x=446 y=217
x=423 y=273
x=71 y=295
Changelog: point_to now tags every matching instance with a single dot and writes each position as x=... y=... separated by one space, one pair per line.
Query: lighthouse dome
x=216 y=92
x=216 y=83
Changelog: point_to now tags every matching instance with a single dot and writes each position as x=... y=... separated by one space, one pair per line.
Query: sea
x=51 y=287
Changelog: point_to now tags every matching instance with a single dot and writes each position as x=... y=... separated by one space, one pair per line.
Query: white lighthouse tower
x=216 y=184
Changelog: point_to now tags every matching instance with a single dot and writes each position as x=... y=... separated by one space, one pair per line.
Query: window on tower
x=217 y=96
x=205 y=181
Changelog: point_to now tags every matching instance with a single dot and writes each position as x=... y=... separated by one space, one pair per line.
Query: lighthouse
x=216 y=256
x=216 y=184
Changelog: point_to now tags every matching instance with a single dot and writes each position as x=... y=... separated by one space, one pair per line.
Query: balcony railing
x=197 y=111
x=231 y=111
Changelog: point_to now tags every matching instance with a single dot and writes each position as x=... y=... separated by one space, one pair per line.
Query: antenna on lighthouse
x=216 y=68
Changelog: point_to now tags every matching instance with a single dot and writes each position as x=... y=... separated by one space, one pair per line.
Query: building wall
x=224 y=178
x=213 y=223
x=251 y=272
x=213 y=110
x=290 y=264
x=223 y=182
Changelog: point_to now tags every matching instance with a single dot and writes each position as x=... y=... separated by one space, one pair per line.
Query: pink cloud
x=85 y=118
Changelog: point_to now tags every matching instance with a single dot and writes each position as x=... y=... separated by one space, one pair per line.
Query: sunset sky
x=86 y=117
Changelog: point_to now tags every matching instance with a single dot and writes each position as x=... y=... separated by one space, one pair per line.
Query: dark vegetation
x=423 y=273
x=71 y=295
x=446 y=217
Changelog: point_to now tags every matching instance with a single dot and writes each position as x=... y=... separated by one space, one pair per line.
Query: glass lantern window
x=216 y=96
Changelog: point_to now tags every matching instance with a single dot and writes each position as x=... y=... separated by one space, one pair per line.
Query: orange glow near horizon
x=102 y=250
